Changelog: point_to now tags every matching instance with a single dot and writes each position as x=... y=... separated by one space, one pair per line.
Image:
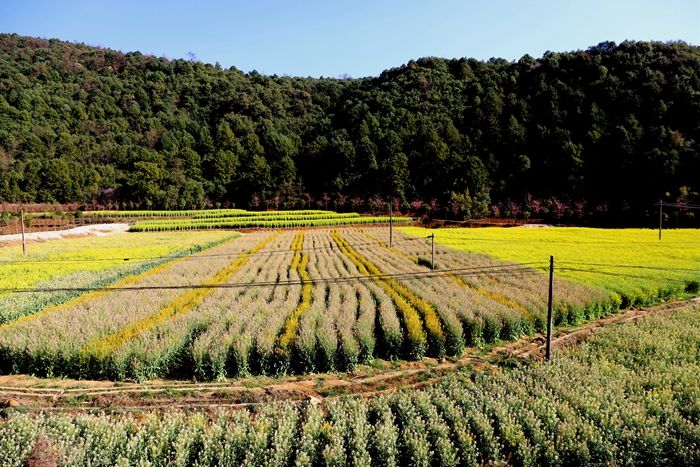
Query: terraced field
x=290 y=302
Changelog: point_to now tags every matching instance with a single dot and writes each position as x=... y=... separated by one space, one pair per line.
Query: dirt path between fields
x=32 y=393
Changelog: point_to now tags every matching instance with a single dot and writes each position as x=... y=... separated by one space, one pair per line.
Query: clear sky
x=357 y=38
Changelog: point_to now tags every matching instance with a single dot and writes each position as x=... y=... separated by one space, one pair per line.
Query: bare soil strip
x=97 y=230
x=34 y=394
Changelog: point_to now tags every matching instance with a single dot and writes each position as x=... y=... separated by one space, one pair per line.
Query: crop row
x=243 y=223
x=146 y=213
x=606 y=402
x=196 y=213
x=271 y=217
x=300 y=262
x=261 y=217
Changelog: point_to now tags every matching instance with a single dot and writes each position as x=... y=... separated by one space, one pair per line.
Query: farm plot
x=632 y=265
x=54 y=272
x=55 y=340
x=270 y=222
x=287 y=302
x=606 y=402
x=158 y=221
x=192 y=213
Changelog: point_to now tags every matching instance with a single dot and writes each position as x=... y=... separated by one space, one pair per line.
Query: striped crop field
x=195 y=213
x=291 y=301
x=265 y=222
x=53 y=272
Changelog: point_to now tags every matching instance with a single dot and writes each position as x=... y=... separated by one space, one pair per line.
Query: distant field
x=628 y=396
x=156 y=221
x=631 y=263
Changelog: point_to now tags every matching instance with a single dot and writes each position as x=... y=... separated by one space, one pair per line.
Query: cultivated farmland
x=156 y=221
x=631 y=264
x=292 y=302
x=607 y=402
x=55 y=271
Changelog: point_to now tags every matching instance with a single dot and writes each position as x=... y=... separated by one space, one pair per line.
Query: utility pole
x=661 y=216
x=391 y=225
x=548 y=354
x=24 y=243
x=432 y=250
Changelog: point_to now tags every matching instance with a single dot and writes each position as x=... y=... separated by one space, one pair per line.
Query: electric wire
x=493 y=270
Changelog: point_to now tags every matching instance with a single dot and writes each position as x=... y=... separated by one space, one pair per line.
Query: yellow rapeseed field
x=630 y=262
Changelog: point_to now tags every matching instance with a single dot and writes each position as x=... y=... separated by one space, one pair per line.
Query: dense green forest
x=596 y=135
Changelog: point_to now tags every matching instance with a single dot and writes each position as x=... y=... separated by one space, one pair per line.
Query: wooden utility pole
x=661 y=216
x=391 y=225
x=432 y=251
x=548 y=354
x=24 y=243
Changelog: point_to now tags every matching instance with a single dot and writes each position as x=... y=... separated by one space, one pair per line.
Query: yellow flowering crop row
x=181 y=304
x=503 y=300
x=407 y=302
x=300 y=263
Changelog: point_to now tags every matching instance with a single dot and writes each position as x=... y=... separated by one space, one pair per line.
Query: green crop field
x=606 y=402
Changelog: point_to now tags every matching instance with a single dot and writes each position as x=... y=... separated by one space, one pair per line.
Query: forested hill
x=602 y=132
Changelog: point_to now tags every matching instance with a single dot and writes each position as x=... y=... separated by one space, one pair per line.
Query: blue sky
x=357 y=38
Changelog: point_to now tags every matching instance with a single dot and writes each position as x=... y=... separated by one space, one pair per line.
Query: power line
x=679 y=205
x=617 y=274
x=189 y=257
x=632 y=266
x=490 y=271
x=494 y=270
